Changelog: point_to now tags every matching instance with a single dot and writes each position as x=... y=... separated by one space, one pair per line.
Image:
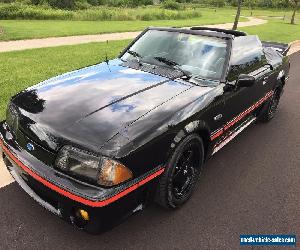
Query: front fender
x=199 y=127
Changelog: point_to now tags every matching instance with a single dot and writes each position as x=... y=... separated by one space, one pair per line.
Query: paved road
x=71 y=40
x=251 y=186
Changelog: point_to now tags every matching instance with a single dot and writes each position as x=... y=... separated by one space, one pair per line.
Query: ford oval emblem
x=30 y=147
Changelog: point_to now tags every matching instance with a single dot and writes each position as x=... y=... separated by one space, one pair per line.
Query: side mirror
x=245 y=81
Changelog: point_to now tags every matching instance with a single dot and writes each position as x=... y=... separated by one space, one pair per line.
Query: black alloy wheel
x=273 y=106
x=182 y=172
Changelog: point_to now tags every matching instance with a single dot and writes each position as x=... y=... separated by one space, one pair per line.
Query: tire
x=182 y=171
x=268 y=112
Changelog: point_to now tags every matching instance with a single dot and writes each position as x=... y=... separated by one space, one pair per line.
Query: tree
x=250 y=3
x=238 y=13
x=218 y=3
x=62 y=4
x=295 y=4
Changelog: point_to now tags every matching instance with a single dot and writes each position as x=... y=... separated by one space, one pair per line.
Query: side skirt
x=233 y=134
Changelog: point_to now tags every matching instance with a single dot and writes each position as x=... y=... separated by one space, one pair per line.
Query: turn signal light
x=84 y=214
x=113 y=173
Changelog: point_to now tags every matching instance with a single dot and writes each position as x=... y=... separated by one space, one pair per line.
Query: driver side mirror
x=245 y=81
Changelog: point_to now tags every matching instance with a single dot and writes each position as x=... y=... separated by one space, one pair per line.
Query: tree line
x=168 y=4
x=71 y=4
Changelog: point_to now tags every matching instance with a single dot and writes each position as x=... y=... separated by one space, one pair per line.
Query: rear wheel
x=182 y=172
x=271 y=108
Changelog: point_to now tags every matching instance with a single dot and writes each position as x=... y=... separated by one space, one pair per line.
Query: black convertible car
x=97 y=144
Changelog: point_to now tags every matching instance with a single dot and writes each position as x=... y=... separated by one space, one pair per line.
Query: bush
x=218 y=3
x=62 y=4
x=94 y=2
x=128 y=3
x=19 y=11
x=171 y=5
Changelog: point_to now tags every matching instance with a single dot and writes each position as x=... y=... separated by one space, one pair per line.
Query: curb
x=294 y=47
x=5 y=177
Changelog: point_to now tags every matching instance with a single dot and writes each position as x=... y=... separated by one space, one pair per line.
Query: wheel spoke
x=185 y=185
x=185 y=171
x=189 y=158
x=274 y=104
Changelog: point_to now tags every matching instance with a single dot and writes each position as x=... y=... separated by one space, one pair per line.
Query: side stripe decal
x=232 y=136
x=239 y=117
x=217 y=134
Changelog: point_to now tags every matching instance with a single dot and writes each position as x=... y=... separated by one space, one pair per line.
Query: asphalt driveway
x=251 y=186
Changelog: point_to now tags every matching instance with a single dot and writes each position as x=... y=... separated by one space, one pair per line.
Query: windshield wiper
x=174 y=65
x=205 y=82
x=136 y=55
x=166 y=61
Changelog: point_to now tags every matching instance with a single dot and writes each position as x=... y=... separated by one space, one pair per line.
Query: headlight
x=101 y=170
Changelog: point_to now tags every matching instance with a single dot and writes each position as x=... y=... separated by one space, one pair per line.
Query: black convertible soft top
x=282 y=48
x=230 y=32
x=273 y=56
x=275 y=52
x=195 y=31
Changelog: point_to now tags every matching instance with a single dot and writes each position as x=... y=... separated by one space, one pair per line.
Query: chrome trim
x=234 y=134
x=31 y=193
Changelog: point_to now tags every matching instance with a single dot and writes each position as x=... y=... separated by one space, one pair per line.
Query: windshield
x=201 y=56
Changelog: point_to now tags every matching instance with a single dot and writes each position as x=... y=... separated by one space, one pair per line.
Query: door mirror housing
x=245 y=81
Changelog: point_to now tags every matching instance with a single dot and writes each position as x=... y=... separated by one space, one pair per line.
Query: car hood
x=91 y=105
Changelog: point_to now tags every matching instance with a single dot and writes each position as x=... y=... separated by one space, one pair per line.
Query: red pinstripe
x=76 y=197
x=242 y=115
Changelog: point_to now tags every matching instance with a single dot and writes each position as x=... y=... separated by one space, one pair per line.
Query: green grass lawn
x=21 y=69
x=27 y=29
x=267 y=12
x=275 y=30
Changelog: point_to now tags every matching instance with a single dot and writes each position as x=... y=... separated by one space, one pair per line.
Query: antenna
x=106 y=56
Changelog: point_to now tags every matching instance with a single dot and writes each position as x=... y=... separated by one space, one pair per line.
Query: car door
x=248 y=58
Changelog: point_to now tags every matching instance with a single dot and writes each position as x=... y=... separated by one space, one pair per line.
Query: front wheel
x=182 y=172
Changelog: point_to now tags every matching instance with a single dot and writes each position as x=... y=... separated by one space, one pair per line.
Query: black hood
x=90 y=106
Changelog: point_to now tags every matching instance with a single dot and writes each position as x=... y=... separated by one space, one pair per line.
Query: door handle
x=265 y=80
x=218 y=117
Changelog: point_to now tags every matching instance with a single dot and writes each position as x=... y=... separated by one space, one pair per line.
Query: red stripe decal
x=242 y=115
x=75 y=197
x=217 y=134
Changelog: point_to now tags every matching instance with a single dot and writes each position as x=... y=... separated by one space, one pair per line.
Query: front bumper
x=64 y=196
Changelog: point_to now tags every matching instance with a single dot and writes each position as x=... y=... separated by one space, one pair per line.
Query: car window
x=201 y=56
x=246 y=56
